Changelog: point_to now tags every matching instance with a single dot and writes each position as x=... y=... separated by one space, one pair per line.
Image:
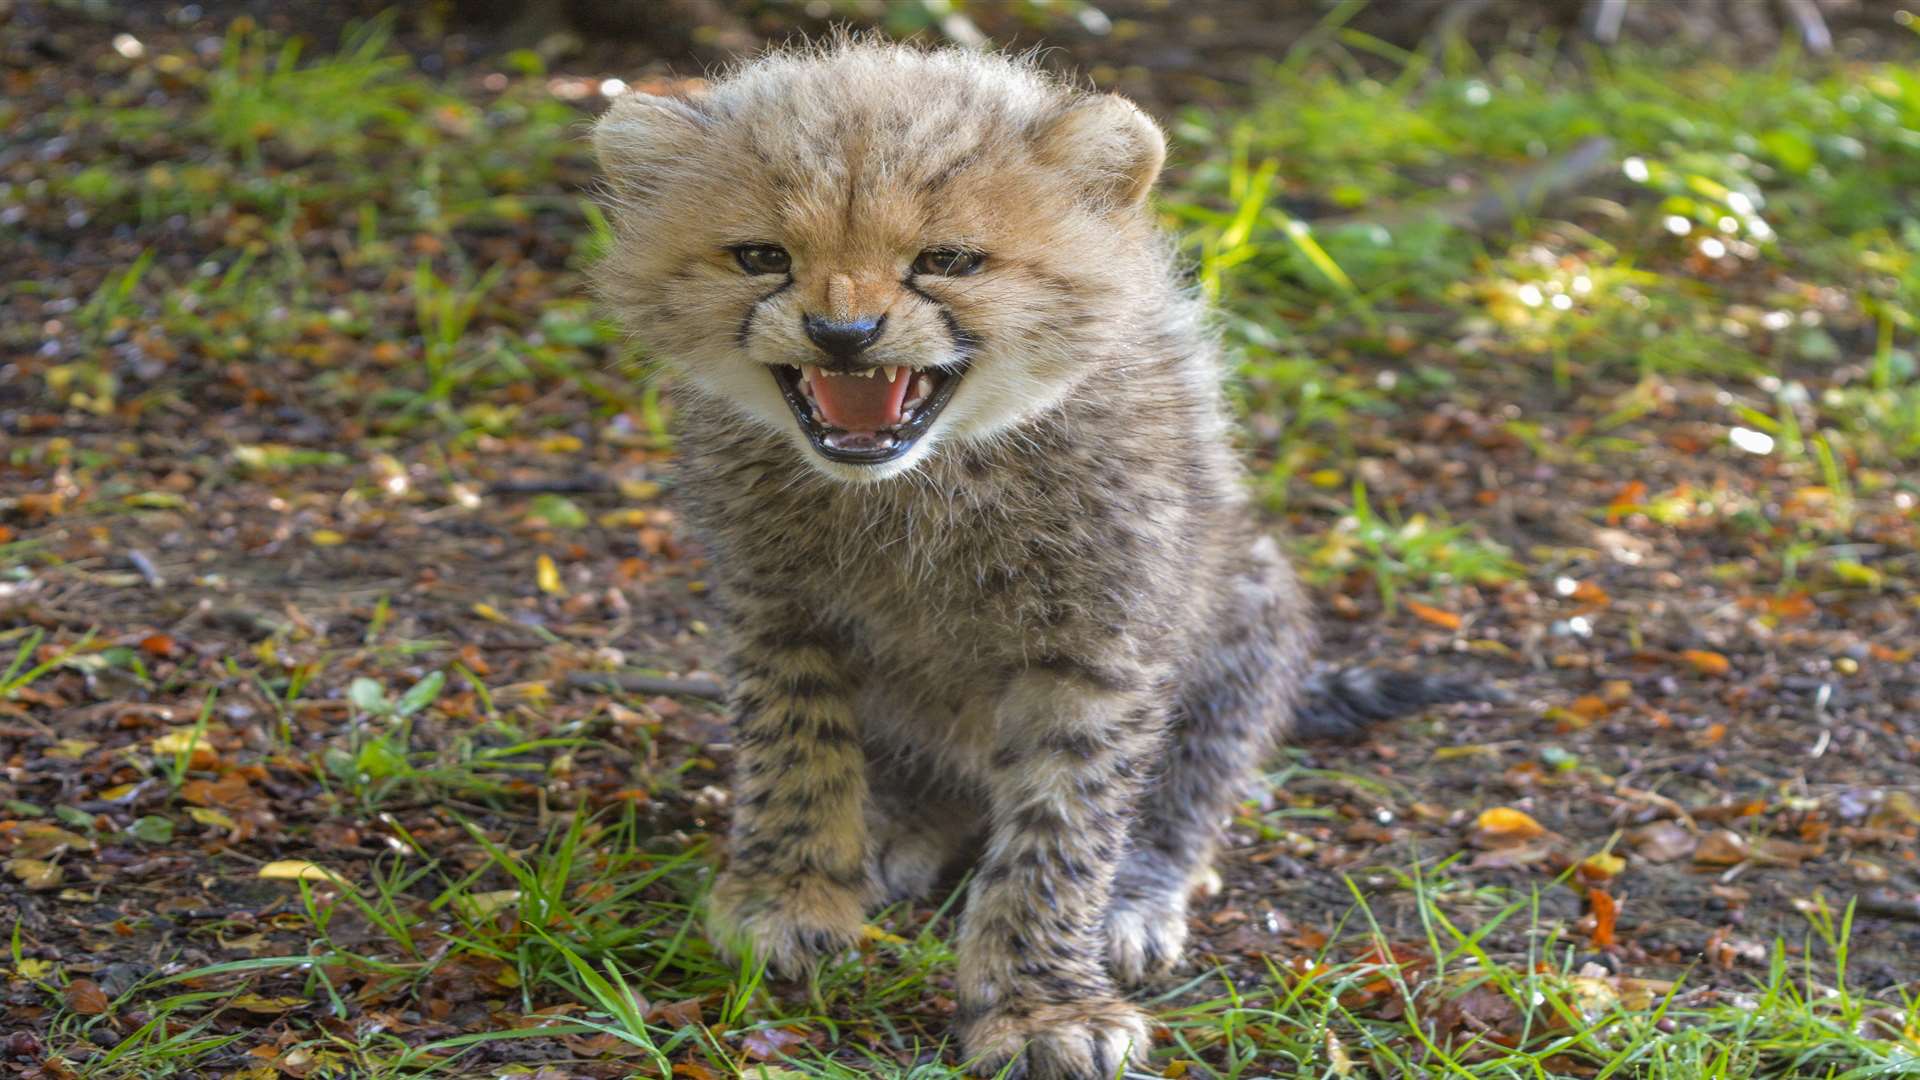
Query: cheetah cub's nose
x=842 y=340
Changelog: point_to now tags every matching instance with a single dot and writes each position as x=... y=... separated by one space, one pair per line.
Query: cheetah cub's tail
x=1342 y=703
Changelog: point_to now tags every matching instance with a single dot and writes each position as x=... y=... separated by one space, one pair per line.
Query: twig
x=637 y=683
x=570 y=485
x=1888 y=907
x=1812 y=25
x=1536 y=187
x=1604 y=18
x=1502 y=202
x=144 y=566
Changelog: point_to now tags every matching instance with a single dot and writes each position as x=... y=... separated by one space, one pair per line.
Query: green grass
x=593 y=917
x=1739 y=187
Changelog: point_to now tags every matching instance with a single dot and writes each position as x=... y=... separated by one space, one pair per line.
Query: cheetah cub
x=953 y=432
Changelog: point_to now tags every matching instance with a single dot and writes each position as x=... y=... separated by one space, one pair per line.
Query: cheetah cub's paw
x=1146 y=936
x=1077 y=1040
x=787 y=921
x=904 y=862
x=1147 y=929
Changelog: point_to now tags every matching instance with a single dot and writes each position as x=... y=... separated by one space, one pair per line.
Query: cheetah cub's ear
x=641 y=136
x=1110 y=144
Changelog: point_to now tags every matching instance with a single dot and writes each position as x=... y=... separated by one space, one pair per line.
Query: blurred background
x=357 y=677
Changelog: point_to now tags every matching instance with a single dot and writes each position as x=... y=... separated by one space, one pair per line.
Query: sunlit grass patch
x=1396 y=554
x=1753 y=211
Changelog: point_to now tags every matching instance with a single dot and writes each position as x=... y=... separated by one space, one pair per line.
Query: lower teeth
x=860 y=440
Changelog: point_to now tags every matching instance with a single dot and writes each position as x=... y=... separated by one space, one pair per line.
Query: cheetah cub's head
x=873 y=249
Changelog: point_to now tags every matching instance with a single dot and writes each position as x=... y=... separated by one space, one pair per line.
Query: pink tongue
x=854 y=403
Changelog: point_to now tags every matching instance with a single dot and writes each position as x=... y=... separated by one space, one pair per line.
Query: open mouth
x=869 y=416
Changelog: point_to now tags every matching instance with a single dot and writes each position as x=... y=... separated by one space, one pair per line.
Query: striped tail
x=1342 y=703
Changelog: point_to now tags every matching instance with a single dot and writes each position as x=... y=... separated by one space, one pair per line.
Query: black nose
x=842 y=340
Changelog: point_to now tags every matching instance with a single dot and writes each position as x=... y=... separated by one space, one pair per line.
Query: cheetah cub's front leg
x=1034 y=989
x=795 y=888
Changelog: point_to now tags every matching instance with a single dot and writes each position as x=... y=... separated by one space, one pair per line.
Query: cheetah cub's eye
x=948 y=262
x=763 y=258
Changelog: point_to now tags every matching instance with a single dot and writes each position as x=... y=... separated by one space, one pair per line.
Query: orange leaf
x=1604 y=910
x=1445 y=619
x=1586 y=592
x=1633 y=493
x=160 y=645
x=1599 y=867
x=1705 y=662
x=470 y=657
x=1589 y=708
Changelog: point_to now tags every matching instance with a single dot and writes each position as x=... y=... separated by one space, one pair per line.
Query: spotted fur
x=1051 y=641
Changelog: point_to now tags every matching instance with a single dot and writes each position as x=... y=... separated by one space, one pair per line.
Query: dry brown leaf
x=676 y=1014
x=1773 y=851
x=766 y=1044
x=85 y=997
x=1662 y=842
x=1722 y=847
x=1512 y=855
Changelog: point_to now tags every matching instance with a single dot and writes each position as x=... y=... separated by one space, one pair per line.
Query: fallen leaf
x=1590 y=595
x=70 y=749
x=1444 y=619
x=1604 y=910
x=1630 y=497
x=1590 y=707
x=1337 y=1056
x=871 y=932
x=765 y=1044
x=1512 y=855
x=85 y=997
x=161 y=645
x=296 y=870
x=1773 y=851
x=1725 y=950
x=45 y=840
x=676 y=1014
x=268 y=1006
x=1707 y=663
x=1897 y=809
x=229 y=790
x=1662 y=842
x=211 y=818
x=1595 y=996
x=481 y=906
x=1505 y=825
x=1600 y=866
x=31 y=968
x=38 y=875
x=1722 y=847
x=547 y=576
